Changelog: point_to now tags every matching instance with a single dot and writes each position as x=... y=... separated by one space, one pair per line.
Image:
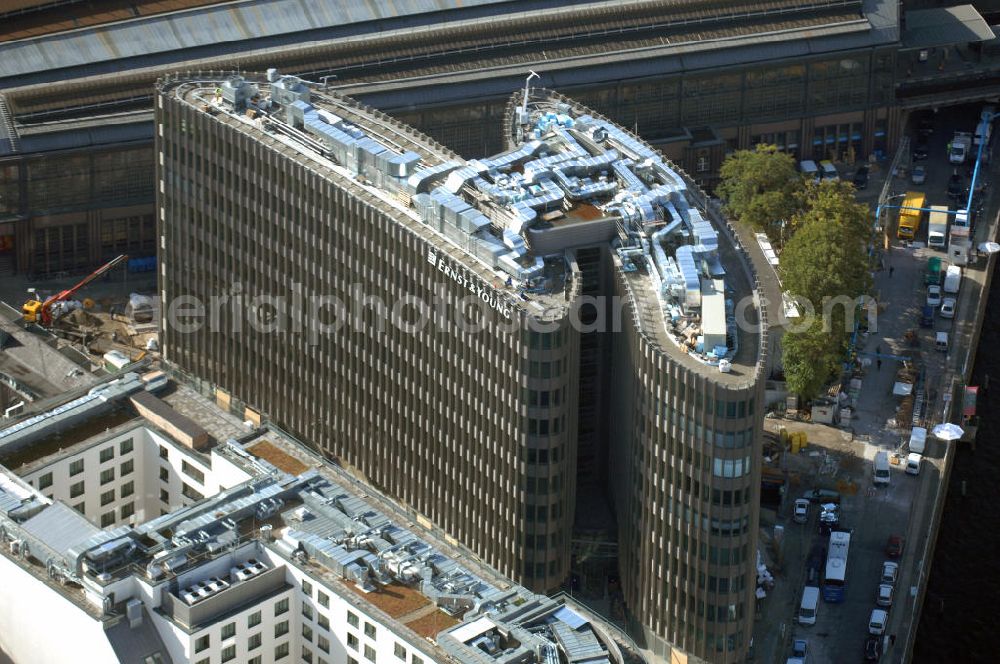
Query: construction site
x=95 y=324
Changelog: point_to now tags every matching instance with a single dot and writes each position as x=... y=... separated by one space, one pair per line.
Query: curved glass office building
x=492 y=342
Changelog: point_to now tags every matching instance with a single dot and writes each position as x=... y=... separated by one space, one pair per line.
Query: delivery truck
x=937 y=227
x=910 y=215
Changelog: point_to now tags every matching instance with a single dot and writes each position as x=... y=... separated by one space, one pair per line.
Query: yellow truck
x=909 y=219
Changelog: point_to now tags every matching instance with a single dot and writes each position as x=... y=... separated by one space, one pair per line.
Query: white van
x=913 y=463
x=952 y=279
x=829 y=171
x=880 y=469
x=809 y=605
x=809 y=170
x=918 y=439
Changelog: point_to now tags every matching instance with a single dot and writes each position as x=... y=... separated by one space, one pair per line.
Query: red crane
x=40 y=312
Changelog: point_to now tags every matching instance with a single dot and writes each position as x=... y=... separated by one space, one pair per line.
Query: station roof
x=209 y=28
x=926 y=28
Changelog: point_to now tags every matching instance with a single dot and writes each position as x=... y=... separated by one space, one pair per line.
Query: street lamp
x=527 y=82
x=984 y=122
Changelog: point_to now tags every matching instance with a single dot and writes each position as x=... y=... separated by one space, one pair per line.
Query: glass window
x=107 y=454
x=75 y=467
x=76 y=489
x=45 y=481
x=191 y=492
x=192 y=472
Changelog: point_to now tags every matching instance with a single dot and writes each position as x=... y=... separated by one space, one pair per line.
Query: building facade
x=275 y=197
x=823 y=80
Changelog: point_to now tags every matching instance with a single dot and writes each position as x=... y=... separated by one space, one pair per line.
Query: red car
x=894 y=547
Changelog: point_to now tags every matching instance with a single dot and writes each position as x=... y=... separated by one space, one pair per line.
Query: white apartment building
x=254 y=551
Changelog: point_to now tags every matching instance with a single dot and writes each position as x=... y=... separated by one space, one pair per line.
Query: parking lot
x=840 y=458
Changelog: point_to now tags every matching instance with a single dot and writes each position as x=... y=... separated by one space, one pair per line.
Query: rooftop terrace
x=570 y=179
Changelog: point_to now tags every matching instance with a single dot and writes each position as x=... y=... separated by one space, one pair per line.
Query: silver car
x=801 y=513
x=890 y=571
x=884 y=595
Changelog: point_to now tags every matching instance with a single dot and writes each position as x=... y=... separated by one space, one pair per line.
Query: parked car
x=894 y=546
x=861 y=178
x=829 y=517
x=873 y=648
x=925 y=127
x=933 y=295
x=877 y=621
x=927 y=316
x=822 y=496
x=920 y=150
x=814 y=564
x=883 y=597
x=948 y=307
x=829 y=171
x=918 y=175
x=956 y=186
x=801 y=513
x=890 y=572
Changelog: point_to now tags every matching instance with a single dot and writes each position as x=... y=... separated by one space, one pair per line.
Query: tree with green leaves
x=812 y=357
x=761 y=188
x=827 y=256
x=827 y=265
